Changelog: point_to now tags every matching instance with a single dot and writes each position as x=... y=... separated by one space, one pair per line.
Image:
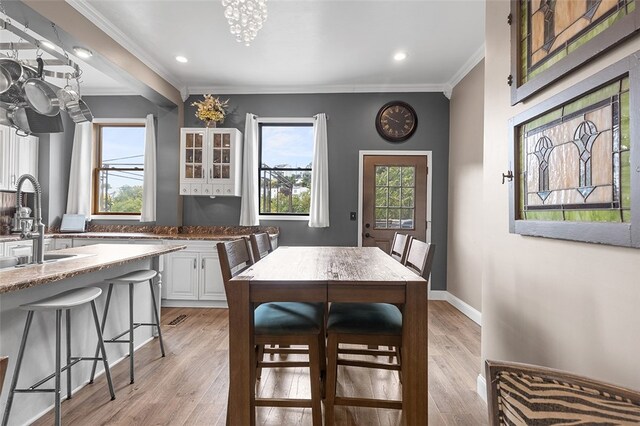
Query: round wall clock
x=396 y=121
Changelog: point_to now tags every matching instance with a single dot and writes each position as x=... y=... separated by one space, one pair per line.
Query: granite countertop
x=212 y=233
x=92 y=259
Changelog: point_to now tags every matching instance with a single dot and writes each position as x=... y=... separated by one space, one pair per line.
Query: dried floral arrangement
x=211 y=109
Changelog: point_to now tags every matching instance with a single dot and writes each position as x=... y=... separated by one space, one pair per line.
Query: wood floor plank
x=189 y=386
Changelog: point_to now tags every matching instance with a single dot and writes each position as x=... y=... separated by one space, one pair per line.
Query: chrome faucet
x=27 y=233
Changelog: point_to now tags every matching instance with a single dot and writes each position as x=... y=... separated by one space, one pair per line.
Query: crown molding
x=346 y=88
x=466 y=68
x=99 y=20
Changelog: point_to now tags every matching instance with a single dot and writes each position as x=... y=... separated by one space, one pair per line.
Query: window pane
x=287 y=146
x=381 y=175
x=120 y=191
x=381 y=197
x=394 y=197
x=122 y=147
x=381 y=218
x=394 y=176
x=285 y=191
x=407 y=197
x=407 y=219
x=408 y=176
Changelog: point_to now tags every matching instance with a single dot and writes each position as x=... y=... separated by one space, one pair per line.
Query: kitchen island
x=89 y=265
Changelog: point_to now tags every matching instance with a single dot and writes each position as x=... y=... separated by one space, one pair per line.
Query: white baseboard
x=166 y=303
x=481 y=387
x=459 y=304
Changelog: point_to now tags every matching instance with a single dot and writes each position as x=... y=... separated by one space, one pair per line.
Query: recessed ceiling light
x=48 y=44
x=82 y=52
x=400 y=56
x=182 y=59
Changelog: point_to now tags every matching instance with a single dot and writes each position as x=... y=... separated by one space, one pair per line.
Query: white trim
x=308 y=120
x=340 y=88
x=135 y=218
x=481 y=387
x=275 y=218
x=429 y=156
x=119 y=121
x=100 y=21
x=218 y=304
x=472 y=313
x=467 y=67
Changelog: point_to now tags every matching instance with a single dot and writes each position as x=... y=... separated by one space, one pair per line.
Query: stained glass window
x=395 y=197
x=552 y=29
x=574 y=160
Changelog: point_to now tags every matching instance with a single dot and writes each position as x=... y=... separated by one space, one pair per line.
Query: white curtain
x=148 y=213
x=79 y=195
x=249 y=203
x=319 y=208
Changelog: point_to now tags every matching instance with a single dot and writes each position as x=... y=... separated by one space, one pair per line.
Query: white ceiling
x=305 y=45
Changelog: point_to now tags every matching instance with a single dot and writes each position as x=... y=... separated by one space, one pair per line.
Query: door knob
x=367 y=235
x=366 y=225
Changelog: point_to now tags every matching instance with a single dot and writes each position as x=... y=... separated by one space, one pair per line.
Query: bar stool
x=131 y=279
x=62 y=301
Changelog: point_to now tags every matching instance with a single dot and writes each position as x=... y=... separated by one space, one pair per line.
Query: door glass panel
x=189 y=171
x=225 y=172
x=197 y=171
x=189 y=156
x=381 y=218
x=198 y=156
x=189 y=140
x=395 y=197
x=226 y=140
x=216 y=172
x=217 y=140
x=216 y=156
x=226 y=156
x=198 y=138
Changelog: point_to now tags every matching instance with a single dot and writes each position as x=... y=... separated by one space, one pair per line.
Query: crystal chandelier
x=245 y=18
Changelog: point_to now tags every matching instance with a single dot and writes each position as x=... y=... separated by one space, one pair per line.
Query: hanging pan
x=5 y=80
x=79 y=111
x=39 y=95
x=18 y=74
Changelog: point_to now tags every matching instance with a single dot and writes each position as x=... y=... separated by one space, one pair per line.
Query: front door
x=394 y=198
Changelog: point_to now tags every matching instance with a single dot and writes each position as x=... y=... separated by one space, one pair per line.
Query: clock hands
x=392 y=119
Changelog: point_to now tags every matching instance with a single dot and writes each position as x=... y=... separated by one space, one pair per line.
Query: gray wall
x=167 y=134
x=350 y=129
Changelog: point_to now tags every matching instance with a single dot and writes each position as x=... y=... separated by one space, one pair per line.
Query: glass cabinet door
x=194 y=156
x=221 y=156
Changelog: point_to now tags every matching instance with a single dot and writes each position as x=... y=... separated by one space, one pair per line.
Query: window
x=286 y=157
x=117 y=176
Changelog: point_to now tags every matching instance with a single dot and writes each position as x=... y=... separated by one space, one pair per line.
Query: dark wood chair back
x=260 y=245
x=399 y=247
x=235 y=257
x=420 y=257
x=522 y=394
x=4 y=361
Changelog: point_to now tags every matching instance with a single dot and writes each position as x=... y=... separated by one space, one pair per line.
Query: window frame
x=98 y=125
x=281 y=122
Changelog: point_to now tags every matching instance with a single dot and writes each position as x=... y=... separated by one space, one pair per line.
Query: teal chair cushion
x=364 y=318
x=288 y=318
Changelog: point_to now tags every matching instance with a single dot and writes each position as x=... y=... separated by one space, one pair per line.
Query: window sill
x=275 y=218
x=115 y=217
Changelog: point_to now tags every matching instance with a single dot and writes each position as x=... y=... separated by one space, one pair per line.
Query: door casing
x=363 y=153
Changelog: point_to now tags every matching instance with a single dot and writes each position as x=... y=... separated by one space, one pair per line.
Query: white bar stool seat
x=131 y=279
x=59 y=302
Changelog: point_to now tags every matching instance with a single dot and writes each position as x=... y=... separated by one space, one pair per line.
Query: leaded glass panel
x=574 y=160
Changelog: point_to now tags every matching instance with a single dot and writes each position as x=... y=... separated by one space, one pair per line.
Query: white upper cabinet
x=19 y=156
x=210 y=162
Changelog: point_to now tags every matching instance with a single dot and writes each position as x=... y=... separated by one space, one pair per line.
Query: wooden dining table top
x=327 y=274
x=324 y=264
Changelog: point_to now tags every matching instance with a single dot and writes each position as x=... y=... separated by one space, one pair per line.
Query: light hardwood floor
x=189 y=385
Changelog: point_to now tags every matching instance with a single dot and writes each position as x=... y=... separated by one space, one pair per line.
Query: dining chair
x=281 y=323
x=370 y=324
x=399 y=246
x=260 y=245
x=419 y=258
x=523 y=394
x=4 y=362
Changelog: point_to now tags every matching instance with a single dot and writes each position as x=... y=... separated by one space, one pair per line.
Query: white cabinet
x=194 y=275
x=210 y=162
x=62 y=243
x=18 y=248
x=49 y=244
x=19 y=156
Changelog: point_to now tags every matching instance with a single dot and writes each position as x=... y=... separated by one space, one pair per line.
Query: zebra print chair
x=521 y=394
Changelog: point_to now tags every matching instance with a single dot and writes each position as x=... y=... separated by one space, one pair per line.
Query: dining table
x=326 y=274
